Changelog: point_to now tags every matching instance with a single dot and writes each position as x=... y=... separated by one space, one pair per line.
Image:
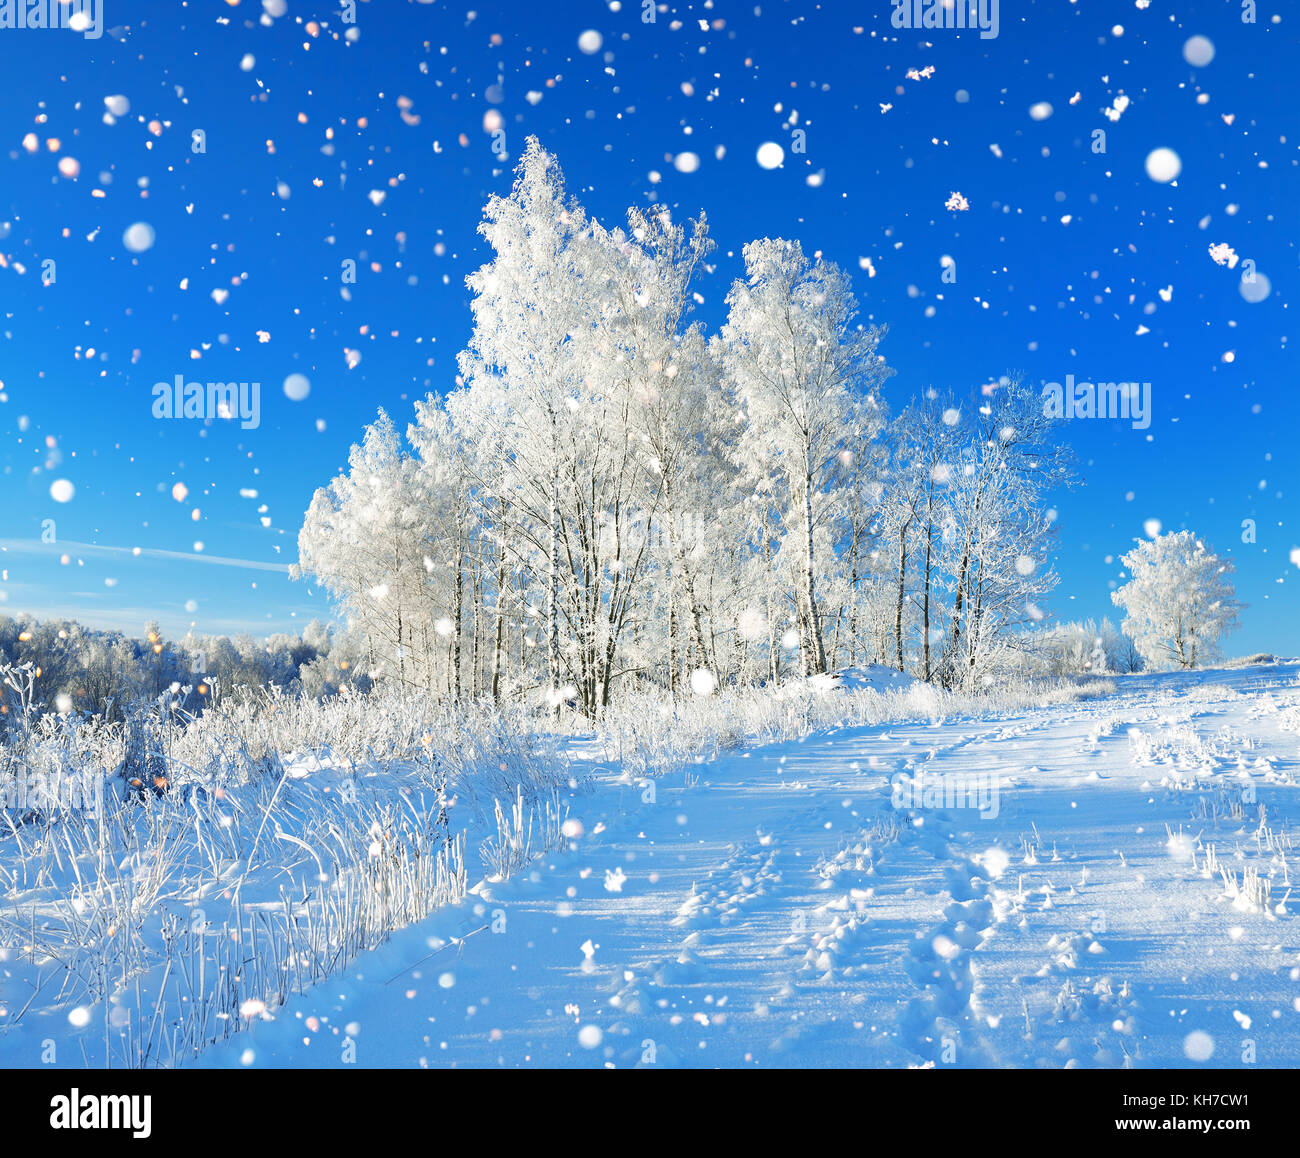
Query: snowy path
x=780 y=912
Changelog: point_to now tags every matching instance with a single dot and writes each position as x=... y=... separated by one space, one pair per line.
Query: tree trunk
x=459 y=611
x=902 y=588
x=817 y=658
x=692 y=604
x=500 y=636
x=853 y=593
x=925 y=609
x=672 y=635
x=476 y=668
x=553 y=589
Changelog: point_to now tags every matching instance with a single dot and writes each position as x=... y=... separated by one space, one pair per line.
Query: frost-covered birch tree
x=1179 y=600
x=362 y=537
x=530 y=306
x=998 y=523
x=795 y=362
x=610 y=498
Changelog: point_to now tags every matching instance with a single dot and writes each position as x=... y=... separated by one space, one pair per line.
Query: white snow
x=1163 y=165
x=772 y=908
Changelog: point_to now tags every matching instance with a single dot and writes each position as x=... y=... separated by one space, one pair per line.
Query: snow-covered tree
x=999 y=528
x=442 y=488
x=1179 y=600
x=679 y=419
x=362 y=537
x=797 y=366
x=1087 y=648
x=531 y=305
x=609 y=496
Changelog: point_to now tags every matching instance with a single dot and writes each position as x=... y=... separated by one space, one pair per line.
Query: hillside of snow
x=1098 y=882
x=1102 y=882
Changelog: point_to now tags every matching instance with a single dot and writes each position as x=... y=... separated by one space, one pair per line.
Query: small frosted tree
x=1178 y=602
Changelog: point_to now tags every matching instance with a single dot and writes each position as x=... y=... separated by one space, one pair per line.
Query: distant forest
x=79 y=669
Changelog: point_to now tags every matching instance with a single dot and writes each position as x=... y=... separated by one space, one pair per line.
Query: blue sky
x=1060 y=258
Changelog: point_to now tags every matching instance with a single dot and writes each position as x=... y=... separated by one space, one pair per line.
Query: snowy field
x=1106 y=883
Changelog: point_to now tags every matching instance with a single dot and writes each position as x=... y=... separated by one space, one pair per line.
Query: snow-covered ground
x=1103 y=881
x=773 y=907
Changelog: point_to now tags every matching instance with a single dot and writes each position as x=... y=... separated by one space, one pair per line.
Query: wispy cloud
x=36 y=547
x=130 y=620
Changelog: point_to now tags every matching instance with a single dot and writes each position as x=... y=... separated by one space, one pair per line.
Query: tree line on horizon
x=78 y=669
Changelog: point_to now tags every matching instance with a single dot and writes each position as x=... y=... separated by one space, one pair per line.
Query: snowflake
x=1222 y=254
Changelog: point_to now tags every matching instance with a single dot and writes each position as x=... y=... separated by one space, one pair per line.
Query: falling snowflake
x=1222 y=254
